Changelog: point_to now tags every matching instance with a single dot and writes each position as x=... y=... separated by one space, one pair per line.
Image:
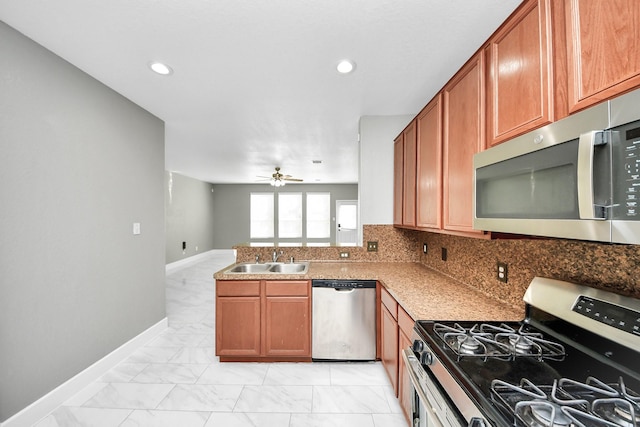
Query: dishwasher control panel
x=346 y=284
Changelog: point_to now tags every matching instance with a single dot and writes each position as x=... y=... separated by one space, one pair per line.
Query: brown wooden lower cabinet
x=396 y=328
x=263 y=320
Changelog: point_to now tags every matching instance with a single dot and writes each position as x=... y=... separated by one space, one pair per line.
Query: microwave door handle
x=586 y=144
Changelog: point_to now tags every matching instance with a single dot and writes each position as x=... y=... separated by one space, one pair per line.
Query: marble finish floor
x=176 y=380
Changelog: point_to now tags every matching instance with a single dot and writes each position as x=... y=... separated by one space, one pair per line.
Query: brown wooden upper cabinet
x=520 y=73
x=429 y=165
x=409 y=185
x=398 y=179
x=603 y=39
x=463 y=136
x=404 y=179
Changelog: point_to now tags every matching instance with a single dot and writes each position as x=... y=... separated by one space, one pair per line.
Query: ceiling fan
x=278 y=180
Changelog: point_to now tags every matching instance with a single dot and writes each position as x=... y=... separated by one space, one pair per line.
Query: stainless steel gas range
x=573 y=361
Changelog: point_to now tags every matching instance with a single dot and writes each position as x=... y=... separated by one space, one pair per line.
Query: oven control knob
x=418 y=346
x=426 y=358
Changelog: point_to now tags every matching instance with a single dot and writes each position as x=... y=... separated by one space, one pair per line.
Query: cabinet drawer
x=226 y=288
x=389 y=302
x=287 y=288
x=405 y=322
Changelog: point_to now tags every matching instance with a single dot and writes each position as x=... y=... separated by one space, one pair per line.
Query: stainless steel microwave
x=577 y=178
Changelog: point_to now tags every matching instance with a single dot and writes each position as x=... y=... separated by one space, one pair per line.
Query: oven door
x=423 y=414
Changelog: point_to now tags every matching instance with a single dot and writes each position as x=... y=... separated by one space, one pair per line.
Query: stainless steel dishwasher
x=344 y=320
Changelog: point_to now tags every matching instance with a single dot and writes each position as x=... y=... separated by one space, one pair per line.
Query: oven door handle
x=413 y=366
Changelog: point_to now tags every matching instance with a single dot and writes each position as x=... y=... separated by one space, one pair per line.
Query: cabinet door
x=389 y=347
x=463 y=137
x=287 y=326
x=409 y=186
x=429 y=165
x=398 y=179
x=603 y=49
x=238 y=326
x=405 y=388
x=520 y=81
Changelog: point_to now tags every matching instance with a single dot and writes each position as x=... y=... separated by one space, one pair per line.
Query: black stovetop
x=586 y=355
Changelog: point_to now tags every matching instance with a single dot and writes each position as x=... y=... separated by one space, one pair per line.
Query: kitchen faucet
x=276 y=255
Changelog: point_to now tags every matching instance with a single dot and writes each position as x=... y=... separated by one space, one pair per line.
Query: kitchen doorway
x=346 y=222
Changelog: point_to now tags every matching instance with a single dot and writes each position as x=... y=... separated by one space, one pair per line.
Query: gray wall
x=189 y=216
x=79 y=165
x=231 y=207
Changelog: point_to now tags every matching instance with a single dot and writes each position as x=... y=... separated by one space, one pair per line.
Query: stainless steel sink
x=270 y=267
x=297 y=267
x=249 y=268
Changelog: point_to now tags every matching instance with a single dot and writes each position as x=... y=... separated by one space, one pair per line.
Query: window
x=290 y=215
x=262 y=216
x=318 y=215
x=292 y=219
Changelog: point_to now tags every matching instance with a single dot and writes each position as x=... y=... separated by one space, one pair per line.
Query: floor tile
x=152 y=355
x=83 y=417
x=350 y=399
x=358 y=373
x=188 y=397
x=234 y=373
x=203 y=355
x=154 y=418
x=176 y=340
x=170 y=373
x=389 y=420
x=298 y=374
x=275 y=399
x=244 y=419
x=331 y=420
x=129 y=395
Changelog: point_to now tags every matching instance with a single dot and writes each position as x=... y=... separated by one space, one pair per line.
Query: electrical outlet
x=344 y=254
x=501 y=273
x=444 y=254
x=372 y=246
x=424 y=248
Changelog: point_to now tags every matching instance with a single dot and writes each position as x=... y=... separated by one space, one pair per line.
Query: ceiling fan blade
x=292 y=179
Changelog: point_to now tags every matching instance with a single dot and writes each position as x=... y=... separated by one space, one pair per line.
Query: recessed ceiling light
x=160 y=68
x=346 y=66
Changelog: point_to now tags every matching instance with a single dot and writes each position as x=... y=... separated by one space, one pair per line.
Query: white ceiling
x=254 y=83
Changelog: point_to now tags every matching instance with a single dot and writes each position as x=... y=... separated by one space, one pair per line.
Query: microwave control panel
x=627 y=179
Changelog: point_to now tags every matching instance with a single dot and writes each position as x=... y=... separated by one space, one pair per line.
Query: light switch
x=136 y=228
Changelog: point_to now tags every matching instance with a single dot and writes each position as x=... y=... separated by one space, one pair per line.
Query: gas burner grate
x=497 y=341
x=568 y=403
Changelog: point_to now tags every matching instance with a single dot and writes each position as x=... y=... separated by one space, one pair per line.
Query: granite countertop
x=425 y=294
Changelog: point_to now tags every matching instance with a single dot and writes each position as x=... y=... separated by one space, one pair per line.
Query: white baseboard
x=186 y=262
x=50 y=401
